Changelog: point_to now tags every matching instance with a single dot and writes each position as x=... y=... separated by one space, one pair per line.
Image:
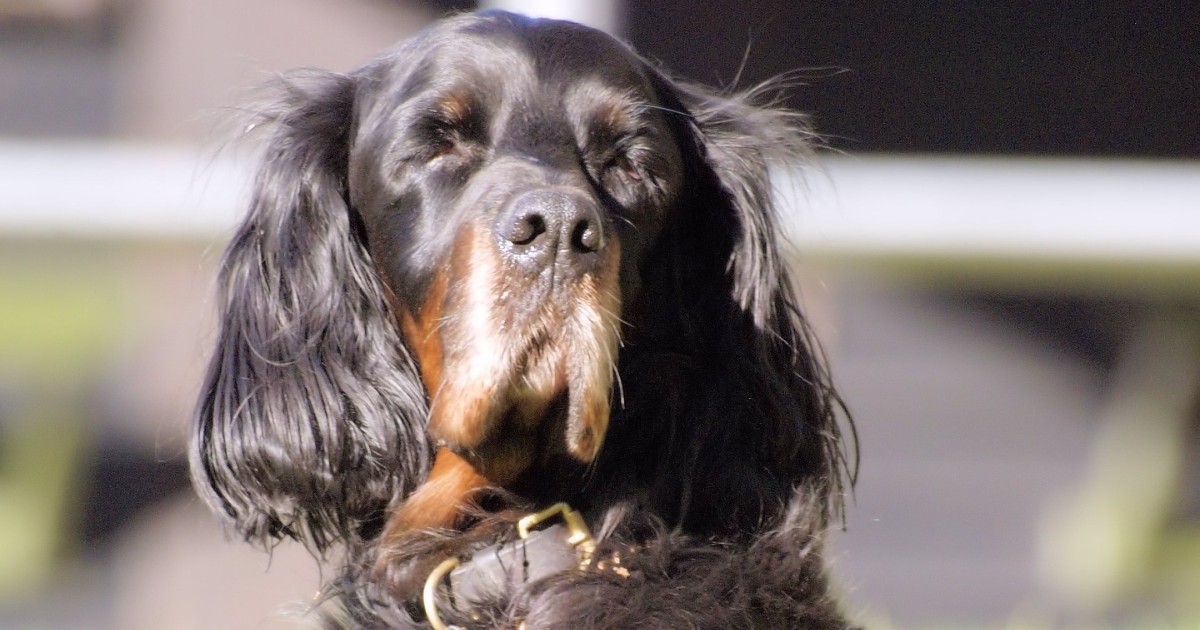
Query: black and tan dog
x=507 y=264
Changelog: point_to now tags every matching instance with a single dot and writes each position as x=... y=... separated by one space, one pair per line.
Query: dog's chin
x=562 y=390
x=549 y=398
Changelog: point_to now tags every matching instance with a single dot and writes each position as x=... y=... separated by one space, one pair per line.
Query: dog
x=506 y=265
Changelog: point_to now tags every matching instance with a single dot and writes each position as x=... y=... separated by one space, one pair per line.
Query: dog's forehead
x=497 y=52
x=555 y=45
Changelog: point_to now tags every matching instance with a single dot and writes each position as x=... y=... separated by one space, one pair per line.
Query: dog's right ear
x=311 y=415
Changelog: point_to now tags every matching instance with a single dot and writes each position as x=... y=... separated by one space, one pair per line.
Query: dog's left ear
x=738 y=143
x=742 y=141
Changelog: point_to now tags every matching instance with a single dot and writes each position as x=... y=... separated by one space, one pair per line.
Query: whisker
x=667 y=109
x=614 y=316
x=620 y=385
x=628 y=220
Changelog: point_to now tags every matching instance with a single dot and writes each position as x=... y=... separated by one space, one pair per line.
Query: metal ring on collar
x=429 y=593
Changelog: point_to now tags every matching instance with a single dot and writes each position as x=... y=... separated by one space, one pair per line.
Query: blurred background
x=1000 y=247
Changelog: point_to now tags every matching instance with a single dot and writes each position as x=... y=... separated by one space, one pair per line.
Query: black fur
x=723 y=461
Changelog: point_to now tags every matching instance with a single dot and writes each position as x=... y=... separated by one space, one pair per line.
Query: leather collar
x=491 y=572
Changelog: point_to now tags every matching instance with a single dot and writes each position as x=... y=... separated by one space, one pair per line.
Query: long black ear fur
x=731 y=402
x=310 y=417
x=743 y=141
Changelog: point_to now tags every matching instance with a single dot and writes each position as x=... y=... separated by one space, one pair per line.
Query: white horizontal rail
x=118 y=190
x=954 y=208
x=870 y=206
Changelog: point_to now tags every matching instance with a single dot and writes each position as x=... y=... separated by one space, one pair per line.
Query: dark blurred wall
x=1053 y=77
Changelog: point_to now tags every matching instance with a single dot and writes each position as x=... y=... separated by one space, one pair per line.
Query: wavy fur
x=311 y=415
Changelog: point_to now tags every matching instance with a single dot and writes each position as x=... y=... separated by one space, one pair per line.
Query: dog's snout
x=551 y=227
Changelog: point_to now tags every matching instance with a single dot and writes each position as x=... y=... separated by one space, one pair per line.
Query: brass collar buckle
x=580 y=536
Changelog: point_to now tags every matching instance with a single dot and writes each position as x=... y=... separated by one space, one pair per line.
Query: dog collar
x=537 y=552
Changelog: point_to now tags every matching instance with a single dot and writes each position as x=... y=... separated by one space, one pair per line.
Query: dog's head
x=505 y=195
x=449 y=247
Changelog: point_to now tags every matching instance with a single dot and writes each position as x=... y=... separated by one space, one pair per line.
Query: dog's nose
x=551 y=226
